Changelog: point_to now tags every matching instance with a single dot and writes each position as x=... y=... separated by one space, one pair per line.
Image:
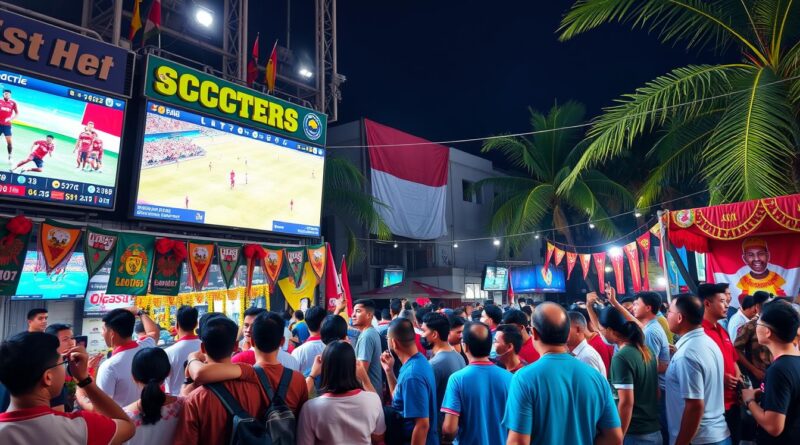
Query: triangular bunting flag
x=644 y=244
x=316 y=256
x=586 y=262
x=600 y=267
x=572 y=258
x=632 y=252
x=273 y=263
x=200 y=257
x=617 y=258
x=296 y=258
x=229 y=256
x=558 y=255
x=169 y=257
x=548 y=255
x=57 y=242
x=98 y=245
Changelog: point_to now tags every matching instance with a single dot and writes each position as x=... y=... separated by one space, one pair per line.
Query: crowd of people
x=601 y=371
x=169 y=150
x=161 y=124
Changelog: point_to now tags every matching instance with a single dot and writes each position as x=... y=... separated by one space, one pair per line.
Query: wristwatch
x=85 y=382
x=747 y=402
x=139 y=314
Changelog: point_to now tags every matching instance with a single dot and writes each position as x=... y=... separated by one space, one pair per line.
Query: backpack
x=278 y=427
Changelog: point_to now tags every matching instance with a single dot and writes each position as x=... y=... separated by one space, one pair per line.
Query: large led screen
x=200 y=170
x=495 y=278
x=530 y=279
x=65 y=142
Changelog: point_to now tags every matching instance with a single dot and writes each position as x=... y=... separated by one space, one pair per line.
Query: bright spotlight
x=615 y=251
x=455 y=245
x=204 y=17
x=395 y=245
x=638 y=214
x=306 y=73
x=609 y=269
x=591 y=225
x=661 y=281
x=496 y=242
x=536 y=236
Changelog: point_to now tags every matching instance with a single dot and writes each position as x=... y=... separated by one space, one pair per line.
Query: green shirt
x=629 y=371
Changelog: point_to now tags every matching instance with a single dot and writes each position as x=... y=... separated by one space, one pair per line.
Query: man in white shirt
x=579 y=347
x=248 y=355
x=313 y=346
x=188 y=342
x=114 y=376
x=746 y=312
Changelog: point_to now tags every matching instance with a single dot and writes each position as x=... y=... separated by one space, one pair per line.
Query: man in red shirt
x=518 y=318
x=715 y=304
x=233 y=179
x=84 y=144
x=96 y=153
x=8 y=112
x=39 y=150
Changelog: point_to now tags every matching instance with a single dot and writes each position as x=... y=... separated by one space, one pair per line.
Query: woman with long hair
x=634 y=376
x=344 y=412
x=156 y=413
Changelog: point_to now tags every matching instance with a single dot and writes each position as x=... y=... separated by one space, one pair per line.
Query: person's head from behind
x=778 y=324
x=249 y=317
x=577 y=329
x=118 y=327
x=186 y=319
x=218 y=337
x=267 y=332
x=759 y=298
x=401 y=336
x=201 y=323
x=409 y=315
x=66 y=339
x=685 y=313
x=333 y=328
x=339 y=368
x=37 y=320
x=456 y=330
x=507 y=340
x=395 y=307
x=435 y=329
x=31 y=365
x=492 y=316
x=314 y=316
x=363 y=313
x=517 y=318
x=299 y=315
x=646 y=305
x=528 y=311
x=477 y=339
x=385 y=315
x=550 y=325
x=476 y=315
x=622 y=332
x=749 y=308
x=150 y=367
x=715 y=301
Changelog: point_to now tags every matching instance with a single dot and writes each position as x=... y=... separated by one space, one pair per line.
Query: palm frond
x=750 y=153
x=604 y=187
x=583 y=200
x=559 y=131
x=341 y=173
x=520 y=153
x=778 y=22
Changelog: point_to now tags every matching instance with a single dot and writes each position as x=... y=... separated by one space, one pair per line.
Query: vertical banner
x=632 y=252
x=333 y=285
x=600 y=267
x=572 y=258
x=617 y=258
x=558 y=255
x=57 y=242
x=295 y=256
x=294 y=294
x=644 y=244
x=98 y=244
x=200 y=256
x=316 y=256
x=253 y=255
x=586 y=262
x=133 y=261
x=169 y=257
x=14 y=236
x=548 y=255
x=510 y=288
x=273 y=263
x=229 y=256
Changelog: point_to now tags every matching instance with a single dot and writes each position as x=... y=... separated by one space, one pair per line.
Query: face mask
x=425 y=343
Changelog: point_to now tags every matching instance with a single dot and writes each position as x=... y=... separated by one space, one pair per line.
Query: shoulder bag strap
x=226 y=398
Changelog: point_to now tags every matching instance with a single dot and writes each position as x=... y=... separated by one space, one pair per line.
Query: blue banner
x=39 y=48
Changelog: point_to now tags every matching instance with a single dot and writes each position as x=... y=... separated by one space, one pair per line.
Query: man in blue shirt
x=476 y=395
x=414 y=390
x=559 y=399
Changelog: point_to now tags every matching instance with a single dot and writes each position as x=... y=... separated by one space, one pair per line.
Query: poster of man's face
x=756 y=255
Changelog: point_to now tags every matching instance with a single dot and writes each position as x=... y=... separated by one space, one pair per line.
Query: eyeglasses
x=63 y=363
x=764 y=325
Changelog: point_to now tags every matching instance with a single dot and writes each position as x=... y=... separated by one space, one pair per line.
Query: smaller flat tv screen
x=495 y=278
x=35 y=284
x=537 y=279
x=391 y=277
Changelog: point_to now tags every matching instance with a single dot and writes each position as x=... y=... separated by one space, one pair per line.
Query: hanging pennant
x=616 y=256
x=133 y=261
x=558 y=255
x=644 y=244
x=316 y=256
x=253 y=255
x=57 y=242
x=572 y=258
x=98 y=245
x=656 y=230
x=600 y=267
x=169 y=257
x=296 y=258
x=586 y=262
x=200 y=256
x=550 y=249
x=632 y=252
x=14 y=236
x=229 y=256
x=273 y=263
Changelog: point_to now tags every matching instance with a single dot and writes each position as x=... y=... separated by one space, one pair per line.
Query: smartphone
x=81 y=340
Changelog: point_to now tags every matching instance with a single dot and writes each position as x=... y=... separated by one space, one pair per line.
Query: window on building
x=479 y=196
x=466 y=190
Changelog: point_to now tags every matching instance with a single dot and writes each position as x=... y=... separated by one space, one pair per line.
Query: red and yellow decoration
x=200 y=256
x=57 y=242
x=254 y=254
x=272 y=264
x=316 y=257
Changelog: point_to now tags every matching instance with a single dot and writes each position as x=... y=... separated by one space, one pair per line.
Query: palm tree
x=524 y=204
x=345 y=199
x=731 y=126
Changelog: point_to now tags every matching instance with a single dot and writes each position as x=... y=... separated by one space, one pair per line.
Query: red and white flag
x=333 y=285
x=632 y=252
x=616 y=256
x=644 y=244
x=600 y=267
x=409 y=176
x=346 y=287
x=586 y=262
x=572 y=258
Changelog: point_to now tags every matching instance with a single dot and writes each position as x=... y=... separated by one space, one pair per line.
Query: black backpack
x=278 y=427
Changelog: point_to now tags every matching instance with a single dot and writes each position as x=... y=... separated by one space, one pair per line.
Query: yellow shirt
x=772 y=283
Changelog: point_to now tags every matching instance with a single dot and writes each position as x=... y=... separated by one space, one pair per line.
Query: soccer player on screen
x=233 y=179
x=84 y=145
x=8 y=112
x=39 y=150
x=96 y=155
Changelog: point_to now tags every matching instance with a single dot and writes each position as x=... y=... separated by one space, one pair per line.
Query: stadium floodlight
x=203 y=16
x=306 y=73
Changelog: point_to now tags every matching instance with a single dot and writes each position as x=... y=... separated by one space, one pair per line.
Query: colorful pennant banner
x=572 y=258
x=98 y=245
x=57 y=242
x=133 y=261
x=295 y=257
x=316 y=256
x=200 y=257
x=229 y=256
x=14 y=236
x=273 y=264
x=169 y=257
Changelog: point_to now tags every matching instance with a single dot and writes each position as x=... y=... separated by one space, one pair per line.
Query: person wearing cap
x=747 y=310
x=777 y=413
x=755 y=255
x=753 y=356
x=518 y=318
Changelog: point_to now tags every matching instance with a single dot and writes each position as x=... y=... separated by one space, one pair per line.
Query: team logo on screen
x=312 y=126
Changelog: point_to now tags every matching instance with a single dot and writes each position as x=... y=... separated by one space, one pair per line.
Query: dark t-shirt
x=782 y=395
x=5 y=399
